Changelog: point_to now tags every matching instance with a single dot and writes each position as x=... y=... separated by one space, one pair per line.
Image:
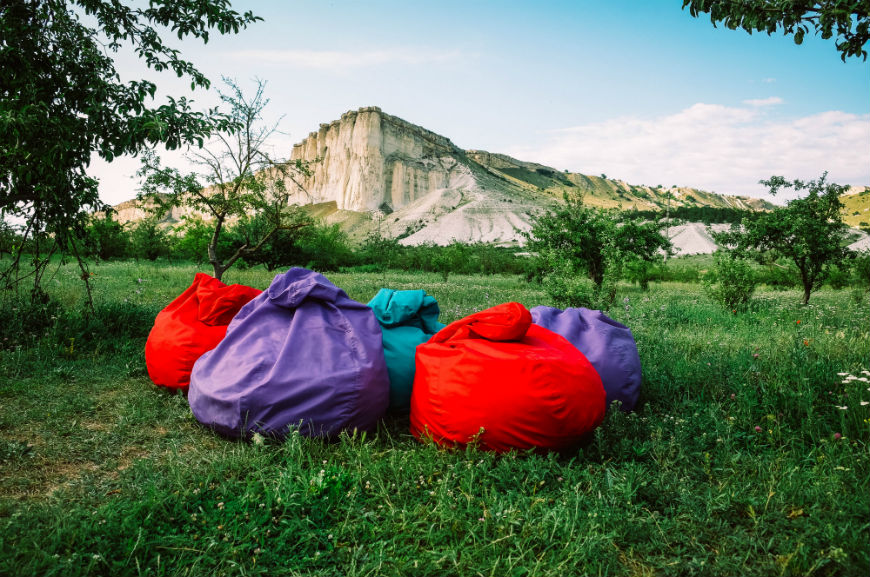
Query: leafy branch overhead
x=62 y=99
x=846 y=20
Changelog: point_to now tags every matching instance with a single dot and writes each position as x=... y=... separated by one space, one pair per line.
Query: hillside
x=418 y=186
x=375 y=172
x=605 y=192
x=856 y=207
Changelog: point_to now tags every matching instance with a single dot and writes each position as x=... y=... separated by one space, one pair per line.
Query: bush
x=192 y=238
x=568 y=288
x=779 y=276
x=325 y=248
x=105 y=238
x=639 y=272
x=149 y=240
x=838 y=276
x=731 y=282
x=861 y=270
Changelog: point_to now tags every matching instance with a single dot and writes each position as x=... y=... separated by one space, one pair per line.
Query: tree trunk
x=216 y=265
x=807 y=282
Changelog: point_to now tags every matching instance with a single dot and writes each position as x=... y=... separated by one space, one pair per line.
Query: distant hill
x=856 y=207
x=373 y=171
x=418 y=186
x=606 y=192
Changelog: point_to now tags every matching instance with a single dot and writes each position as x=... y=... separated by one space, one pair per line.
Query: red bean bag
x=496 y=379
x=191 y=325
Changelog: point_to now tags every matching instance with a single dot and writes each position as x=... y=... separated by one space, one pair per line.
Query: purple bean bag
x=608 y=345
x=302 y=354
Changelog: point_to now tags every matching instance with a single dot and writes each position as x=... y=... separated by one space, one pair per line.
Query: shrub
x=568 y=288
x=639 y=272
x=861 y=269
x=105 y=238
x=149 y=240
x=192 y=239
x=838 y=276
x=731 y=282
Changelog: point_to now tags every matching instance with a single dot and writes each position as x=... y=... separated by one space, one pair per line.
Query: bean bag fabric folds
x=608 y=344
x=497 y=379
x=302 y=354
x=407 y=318
x=193 y=323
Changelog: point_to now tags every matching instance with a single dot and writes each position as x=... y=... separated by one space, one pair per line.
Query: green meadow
x=748 y=454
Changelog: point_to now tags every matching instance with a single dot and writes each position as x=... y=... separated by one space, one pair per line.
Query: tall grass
x=741 y=458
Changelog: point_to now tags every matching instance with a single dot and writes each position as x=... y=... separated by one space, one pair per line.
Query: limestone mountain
x=418 y=186
x=372 y=171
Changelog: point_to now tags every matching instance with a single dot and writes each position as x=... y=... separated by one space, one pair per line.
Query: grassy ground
x=741 y=459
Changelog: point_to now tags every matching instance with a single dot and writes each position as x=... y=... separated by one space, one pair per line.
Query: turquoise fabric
x=408 y=319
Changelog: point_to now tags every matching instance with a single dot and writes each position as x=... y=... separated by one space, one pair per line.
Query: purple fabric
x=302 y=354
x=608 y=345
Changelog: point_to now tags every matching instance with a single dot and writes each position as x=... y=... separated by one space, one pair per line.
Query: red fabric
x=523 y=385
x=192 y=324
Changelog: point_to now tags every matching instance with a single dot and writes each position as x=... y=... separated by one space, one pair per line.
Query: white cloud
x=773 y=100
x=340 y=60
x=713 y=147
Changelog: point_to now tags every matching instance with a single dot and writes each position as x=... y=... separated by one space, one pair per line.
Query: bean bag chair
x=496 y=379
x=302 y=354
x=407 y=319
x=608 y=345
x=195 y=322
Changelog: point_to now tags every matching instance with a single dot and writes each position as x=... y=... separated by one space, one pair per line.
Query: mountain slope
x=375 y=172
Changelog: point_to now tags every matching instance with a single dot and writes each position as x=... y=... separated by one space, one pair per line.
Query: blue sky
x=638 y=90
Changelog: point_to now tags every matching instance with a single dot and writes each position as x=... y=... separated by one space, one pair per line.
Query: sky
x=635 y=89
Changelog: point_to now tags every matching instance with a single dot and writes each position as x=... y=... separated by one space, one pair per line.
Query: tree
x=61 y=99
x=9 y=238
x=848 y=20
x=105 y=238
x=243 y=181
x=149 y=239
x=732 y=281
x=192 y=238
x=809 y=231
x=576 y=239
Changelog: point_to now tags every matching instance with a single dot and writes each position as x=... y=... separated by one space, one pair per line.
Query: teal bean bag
x=408 y=319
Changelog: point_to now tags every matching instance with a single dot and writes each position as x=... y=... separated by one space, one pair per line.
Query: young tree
x=61 y=99
x=149 y=240
x=809 y=231
x=577 y=239
x=105 y=238
x=9 y=238
x=849 y=20
x=242 y=180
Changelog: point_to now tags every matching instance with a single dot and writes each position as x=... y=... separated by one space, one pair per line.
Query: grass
x=732 y=464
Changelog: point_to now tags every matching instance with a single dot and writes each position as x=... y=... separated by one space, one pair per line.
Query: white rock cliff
x=415 y=184
x=369 y=160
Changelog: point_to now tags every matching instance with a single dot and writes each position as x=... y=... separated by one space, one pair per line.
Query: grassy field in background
x=748 y=454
